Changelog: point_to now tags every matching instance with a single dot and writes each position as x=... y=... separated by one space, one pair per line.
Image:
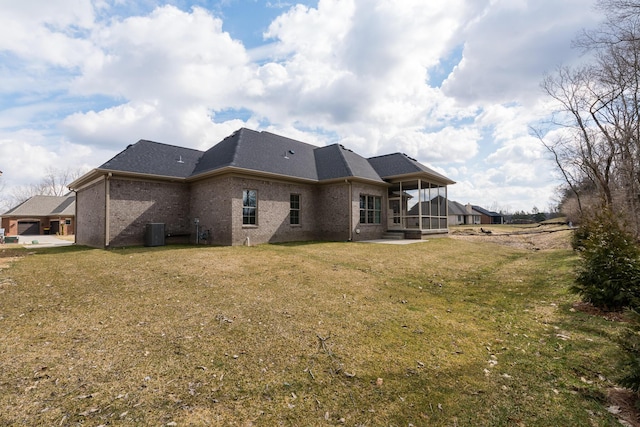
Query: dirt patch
x=624 y=404
x=539 y=238
x=10 y=254
x=586 y=307
x=6 y=262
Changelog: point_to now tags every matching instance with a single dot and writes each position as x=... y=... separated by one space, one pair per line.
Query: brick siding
x=217 y=203
x=368 y=231
x=90 y=223
x=134 y=204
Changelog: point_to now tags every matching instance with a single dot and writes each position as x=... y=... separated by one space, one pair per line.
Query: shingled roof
x=154 y=158
x=396 y=164
x=44 y=206
x=456 y=208
x=260 y=152
x=335 y=162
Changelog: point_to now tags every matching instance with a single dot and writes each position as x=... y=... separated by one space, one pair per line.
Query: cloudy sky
x=452 y=83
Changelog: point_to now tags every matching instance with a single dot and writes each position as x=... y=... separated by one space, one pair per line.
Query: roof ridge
x=384 y=155
x=290 y=139
x=341 y=149
x=240 y=132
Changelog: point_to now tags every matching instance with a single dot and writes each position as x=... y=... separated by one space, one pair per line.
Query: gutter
x=75 y=219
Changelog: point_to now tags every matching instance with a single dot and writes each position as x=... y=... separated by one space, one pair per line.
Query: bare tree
x=4 y=203
x=597 y=149
x=54 y=183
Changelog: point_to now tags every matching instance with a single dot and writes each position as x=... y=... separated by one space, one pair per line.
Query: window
x=249 y=207
x=294 y=209
x=370 y=209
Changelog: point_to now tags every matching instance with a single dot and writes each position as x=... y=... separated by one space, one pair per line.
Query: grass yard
x=446 y=332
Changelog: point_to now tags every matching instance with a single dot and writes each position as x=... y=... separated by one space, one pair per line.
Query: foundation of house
x=424 y=234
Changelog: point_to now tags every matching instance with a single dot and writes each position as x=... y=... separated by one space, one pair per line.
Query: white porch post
x=419 y=204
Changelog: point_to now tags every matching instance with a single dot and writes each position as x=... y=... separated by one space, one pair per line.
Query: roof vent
x=180 y=160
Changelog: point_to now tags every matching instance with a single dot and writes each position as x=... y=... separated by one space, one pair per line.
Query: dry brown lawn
x=444 y=332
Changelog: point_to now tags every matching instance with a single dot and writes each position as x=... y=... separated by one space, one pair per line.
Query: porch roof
x=397 y=165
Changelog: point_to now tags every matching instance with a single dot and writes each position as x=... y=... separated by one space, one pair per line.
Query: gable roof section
x=154 y=158
x=275 y=154
x=397 y=164
x=436 y=203
x=260 y=152
x=483 y=211
x=44 y=206
x=456 y=208
x=335 y=162
x=67 y=207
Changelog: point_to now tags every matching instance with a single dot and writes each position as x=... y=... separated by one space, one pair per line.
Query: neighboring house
x=489 y=217
x=251 y=188
x=457 y=213
x=460 y=214
x=41 y=215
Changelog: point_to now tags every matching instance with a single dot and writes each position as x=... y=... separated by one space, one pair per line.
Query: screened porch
x=417 y=205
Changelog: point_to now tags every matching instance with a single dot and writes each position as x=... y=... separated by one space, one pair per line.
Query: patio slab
x=394 y=241
x=44 y=241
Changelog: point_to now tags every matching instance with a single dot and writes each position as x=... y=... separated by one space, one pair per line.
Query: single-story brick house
x=251 y=188
x=460 y=214
x=489 y=217
x=41 y=215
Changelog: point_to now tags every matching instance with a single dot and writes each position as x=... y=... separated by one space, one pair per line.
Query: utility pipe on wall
x=107 y=209
x=350 y=209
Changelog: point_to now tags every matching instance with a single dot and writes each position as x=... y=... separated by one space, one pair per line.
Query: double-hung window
x=249 y=207
x=294 y=209
x=370 y=209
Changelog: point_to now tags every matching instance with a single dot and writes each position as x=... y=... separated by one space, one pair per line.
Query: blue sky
x=455 y=83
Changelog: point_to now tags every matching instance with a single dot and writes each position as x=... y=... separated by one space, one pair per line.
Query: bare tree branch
x=598 y=108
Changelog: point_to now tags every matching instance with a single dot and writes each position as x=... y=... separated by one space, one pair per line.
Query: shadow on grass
x=69 y=249
x=305 y=243
x=58 y=249
x=127 y=250
x=141 y=249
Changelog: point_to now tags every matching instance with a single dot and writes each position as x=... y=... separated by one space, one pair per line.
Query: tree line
x=53 y=183
x=595 y=133
x=594 y=139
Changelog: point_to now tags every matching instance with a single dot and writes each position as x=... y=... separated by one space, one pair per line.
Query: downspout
x=107 y=210
x=350 y=209
x=75 y=220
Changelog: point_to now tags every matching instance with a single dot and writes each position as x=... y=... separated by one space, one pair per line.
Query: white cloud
x=450 y=145
x=93 y=77
x=32 y=153
x=126 y=123
x=46 y=31
x=180 y=57
x=512 y=44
